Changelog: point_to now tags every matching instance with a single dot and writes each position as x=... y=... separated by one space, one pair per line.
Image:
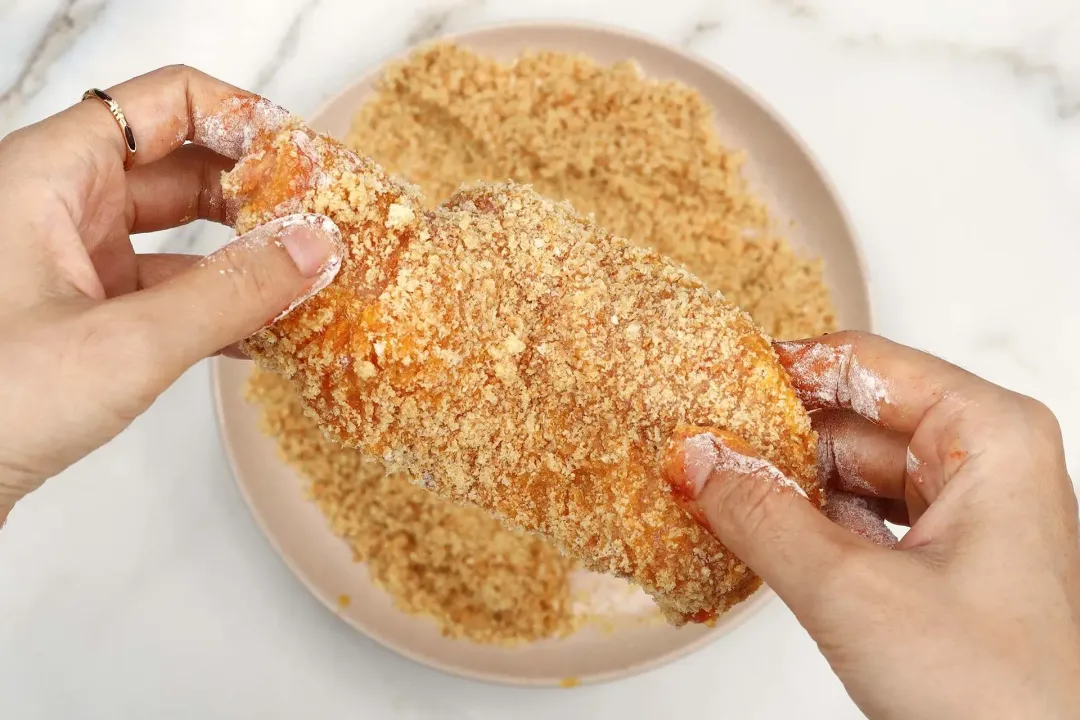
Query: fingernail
x=701 y=456
x=315 y=245
x=686 y=468
x=312 y=241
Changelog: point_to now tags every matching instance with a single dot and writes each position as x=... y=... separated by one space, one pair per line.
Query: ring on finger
x=114 y=108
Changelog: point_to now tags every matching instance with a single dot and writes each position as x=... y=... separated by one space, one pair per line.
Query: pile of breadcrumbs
x=644 y=158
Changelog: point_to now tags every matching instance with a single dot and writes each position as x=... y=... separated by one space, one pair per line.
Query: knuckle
x=11 y=140
x=1040 y=417
x=177 y=77
x=1014 y=413
x=18 y=144
x=175 y=71
x=850 y=337
x=854 y=341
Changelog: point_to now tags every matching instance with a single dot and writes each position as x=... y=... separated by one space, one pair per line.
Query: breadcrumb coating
x=509 y=354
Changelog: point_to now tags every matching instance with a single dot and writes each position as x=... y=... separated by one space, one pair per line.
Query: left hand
x=90 y=332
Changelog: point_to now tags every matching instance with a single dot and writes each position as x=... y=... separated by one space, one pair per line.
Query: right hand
x=976 y=612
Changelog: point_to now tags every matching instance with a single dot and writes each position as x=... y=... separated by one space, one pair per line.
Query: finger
x=164 y=108
x=954 y=419
x=114 y=263
x=172 y=191
x=178 y=103
x=860 y=515
x=761 y=516
x=177 y=189
x=883 y=381
x=156 y=268
x=858 y=456
x=230 y=294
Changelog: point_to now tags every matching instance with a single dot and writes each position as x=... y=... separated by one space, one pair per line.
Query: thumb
x=235 y=291
x=763 y=517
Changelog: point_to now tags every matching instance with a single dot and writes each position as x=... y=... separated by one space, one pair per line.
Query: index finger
x=888 y=383
x=165 y=108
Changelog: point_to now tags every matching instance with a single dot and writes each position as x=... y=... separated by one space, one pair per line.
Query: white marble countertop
x=136 y=585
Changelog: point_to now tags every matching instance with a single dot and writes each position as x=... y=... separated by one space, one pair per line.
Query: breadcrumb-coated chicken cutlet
x=510 y=355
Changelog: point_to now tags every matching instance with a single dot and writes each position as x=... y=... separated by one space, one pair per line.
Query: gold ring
x=129 y=136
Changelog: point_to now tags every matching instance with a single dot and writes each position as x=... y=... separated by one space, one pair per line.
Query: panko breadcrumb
x=456 y=564
x=645 y=158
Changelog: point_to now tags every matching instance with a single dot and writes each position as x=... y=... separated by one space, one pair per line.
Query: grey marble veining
x=286 y=48
x=67 y=24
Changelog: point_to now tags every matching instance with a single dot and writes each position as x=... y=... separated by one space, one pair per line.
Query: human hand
x=976 y=611
x=92 y=333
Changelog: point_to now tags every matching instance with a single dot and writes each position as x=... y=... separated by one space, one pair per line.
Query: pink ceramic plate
x=783 y=173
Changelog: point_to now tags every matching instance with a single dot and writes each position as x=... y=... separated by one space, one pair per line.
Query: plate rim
x=760 y=598
x=750 y=607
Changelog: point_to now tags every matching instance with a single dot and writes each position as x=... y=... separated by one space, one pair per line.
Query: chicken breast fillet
x=509 y=354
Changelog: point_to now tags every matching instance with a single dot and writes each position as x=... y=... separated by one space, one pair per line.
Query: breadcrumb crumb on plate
x=616 y=642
